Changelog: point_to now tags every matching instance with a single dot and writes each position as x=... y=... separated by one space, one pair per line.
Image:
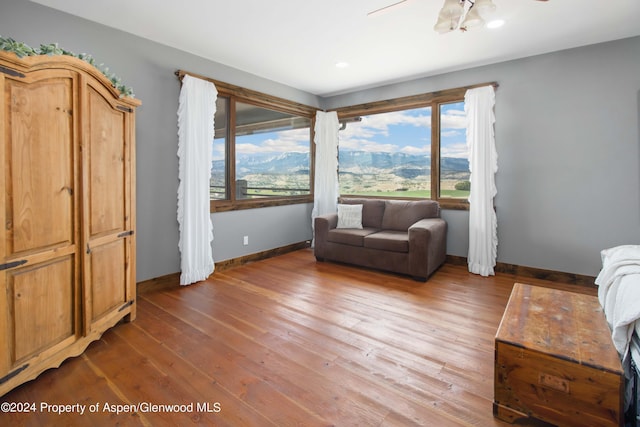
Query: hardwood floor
x=289 y=342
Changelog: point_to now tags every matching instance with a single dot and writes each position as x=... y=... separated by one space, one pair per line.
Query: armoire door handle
x=12 y=264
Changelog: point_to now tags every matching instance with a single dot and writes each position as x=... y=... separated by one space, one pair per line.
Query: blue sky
x=288 y=141
x=406 y=131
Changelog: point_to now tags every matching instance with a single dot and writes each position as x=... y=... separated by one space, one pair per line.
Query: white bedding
x=619 y=293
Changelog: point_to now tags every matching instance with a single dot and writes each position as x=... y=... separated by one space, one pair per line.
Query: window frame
x=433 y=100
x=239 y=94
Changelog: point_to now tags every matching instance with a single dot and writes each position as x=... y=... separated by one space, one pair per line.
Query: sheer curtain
x=483 y=164
x=326 y=180
x=197 y=106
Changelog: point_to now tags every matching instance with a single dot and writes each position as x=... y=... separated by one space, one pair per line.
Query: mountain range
x=351 y=162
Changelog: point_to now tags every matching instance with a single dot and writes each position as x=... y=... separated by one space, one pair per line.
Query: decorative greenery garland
x=21 y=50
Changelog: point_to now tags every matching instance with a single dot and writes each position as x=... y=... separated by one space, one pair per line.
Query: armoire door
x=107 y=215
x=39 y=242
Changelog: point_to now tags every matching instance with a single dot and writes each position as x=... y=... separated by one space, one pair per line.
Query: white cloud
x=218 y=151
x=452 y=133
x=381 y=122
x=248 y=148
x=296 y=140
x=453 y=119
x=366 y=145
x=361 y=135
x=459 y=150
x=416 y=150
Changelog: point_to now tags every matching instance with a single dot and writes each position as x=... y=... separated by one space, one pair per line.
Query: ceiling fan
x=451 y=13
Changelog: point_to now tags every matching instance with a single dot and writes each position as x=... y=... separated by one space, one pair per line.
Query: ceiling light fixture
x=452 y=13
x=496 y=23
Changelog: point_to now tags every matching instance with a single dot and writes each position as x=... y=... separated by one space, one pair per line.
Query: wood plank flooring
x=288 y=342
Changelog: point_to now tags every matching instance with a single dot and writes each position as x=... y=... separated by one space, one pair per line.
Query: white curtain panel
x=197 y=106
x=483 y=164
x=326 y=180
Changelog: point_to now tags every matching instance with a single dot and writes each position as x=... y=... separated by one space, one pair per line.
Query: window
x=272 y=153
x=413 y=147
x=454 y=155
x=262 y=152
x=387 y=154
x=218 y=182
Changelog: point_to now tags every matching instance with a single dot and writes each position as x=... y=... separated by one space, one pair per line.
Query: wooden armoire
x=67 y=241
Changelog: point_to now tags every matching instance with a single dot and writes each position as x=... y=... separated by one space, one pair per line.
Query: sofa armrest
x=433 y=225
x=321 y=226
x=427 y=246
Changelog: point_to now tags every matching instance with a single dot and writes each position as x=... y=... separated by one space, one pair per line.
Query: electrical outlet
x=245 y=240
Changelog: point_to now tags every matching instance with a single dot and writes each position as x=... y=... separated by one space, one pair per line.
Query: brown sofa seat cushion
x=349 y=236
x=388 y=240
x=399 y=215
x=372 y=211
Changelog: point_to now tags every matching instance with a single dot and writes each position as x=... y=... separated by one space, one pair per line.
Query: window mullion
x=435 y=151
x=231 y=147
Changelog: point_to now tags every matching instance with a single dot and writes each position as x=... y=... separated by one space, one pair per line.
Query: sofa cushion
x=372 y=211
x=349 y=216
x=393 y=241
x=399 y=215
x=349 y=236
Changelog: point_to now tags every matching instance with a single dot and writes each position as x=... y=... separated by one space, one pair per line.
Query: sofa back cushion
x=372 y=211
x=401 y=214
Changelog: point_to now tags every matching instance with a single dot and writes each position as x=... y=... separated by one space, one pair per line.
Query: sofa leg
x=319 y=259
x=419 y=279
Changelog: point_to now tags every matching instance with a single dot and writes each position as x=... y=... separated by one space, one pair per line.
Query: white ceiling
x=298 y=42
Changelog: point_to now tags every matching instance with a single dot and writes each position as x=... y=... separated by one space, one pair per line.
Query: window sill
x=228 y=205
x=453 y=204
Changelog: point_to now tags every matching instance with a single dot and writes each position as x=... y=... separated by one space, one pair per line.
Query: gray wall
x=567 y=132
x=567 y=136
x=264 y=228
x=148 y=68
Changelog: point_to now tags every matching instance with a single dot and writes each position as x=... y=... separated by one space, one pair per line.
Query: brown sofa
x=406 y=237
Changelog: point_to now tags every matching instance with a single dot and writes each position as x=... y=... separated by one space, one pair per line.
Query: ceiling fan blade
x=386 y=8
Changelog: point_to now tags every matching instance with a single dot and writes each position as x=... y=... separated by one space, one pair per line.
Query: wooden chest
x=555 y=360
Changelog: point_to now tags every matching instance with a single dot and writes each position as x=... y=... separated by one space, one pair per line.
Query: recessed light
x=342 y=64
x=497 y=23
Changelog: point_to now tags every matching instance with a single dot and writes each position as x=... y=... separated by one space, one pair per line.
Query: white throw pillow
x=349 y=216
